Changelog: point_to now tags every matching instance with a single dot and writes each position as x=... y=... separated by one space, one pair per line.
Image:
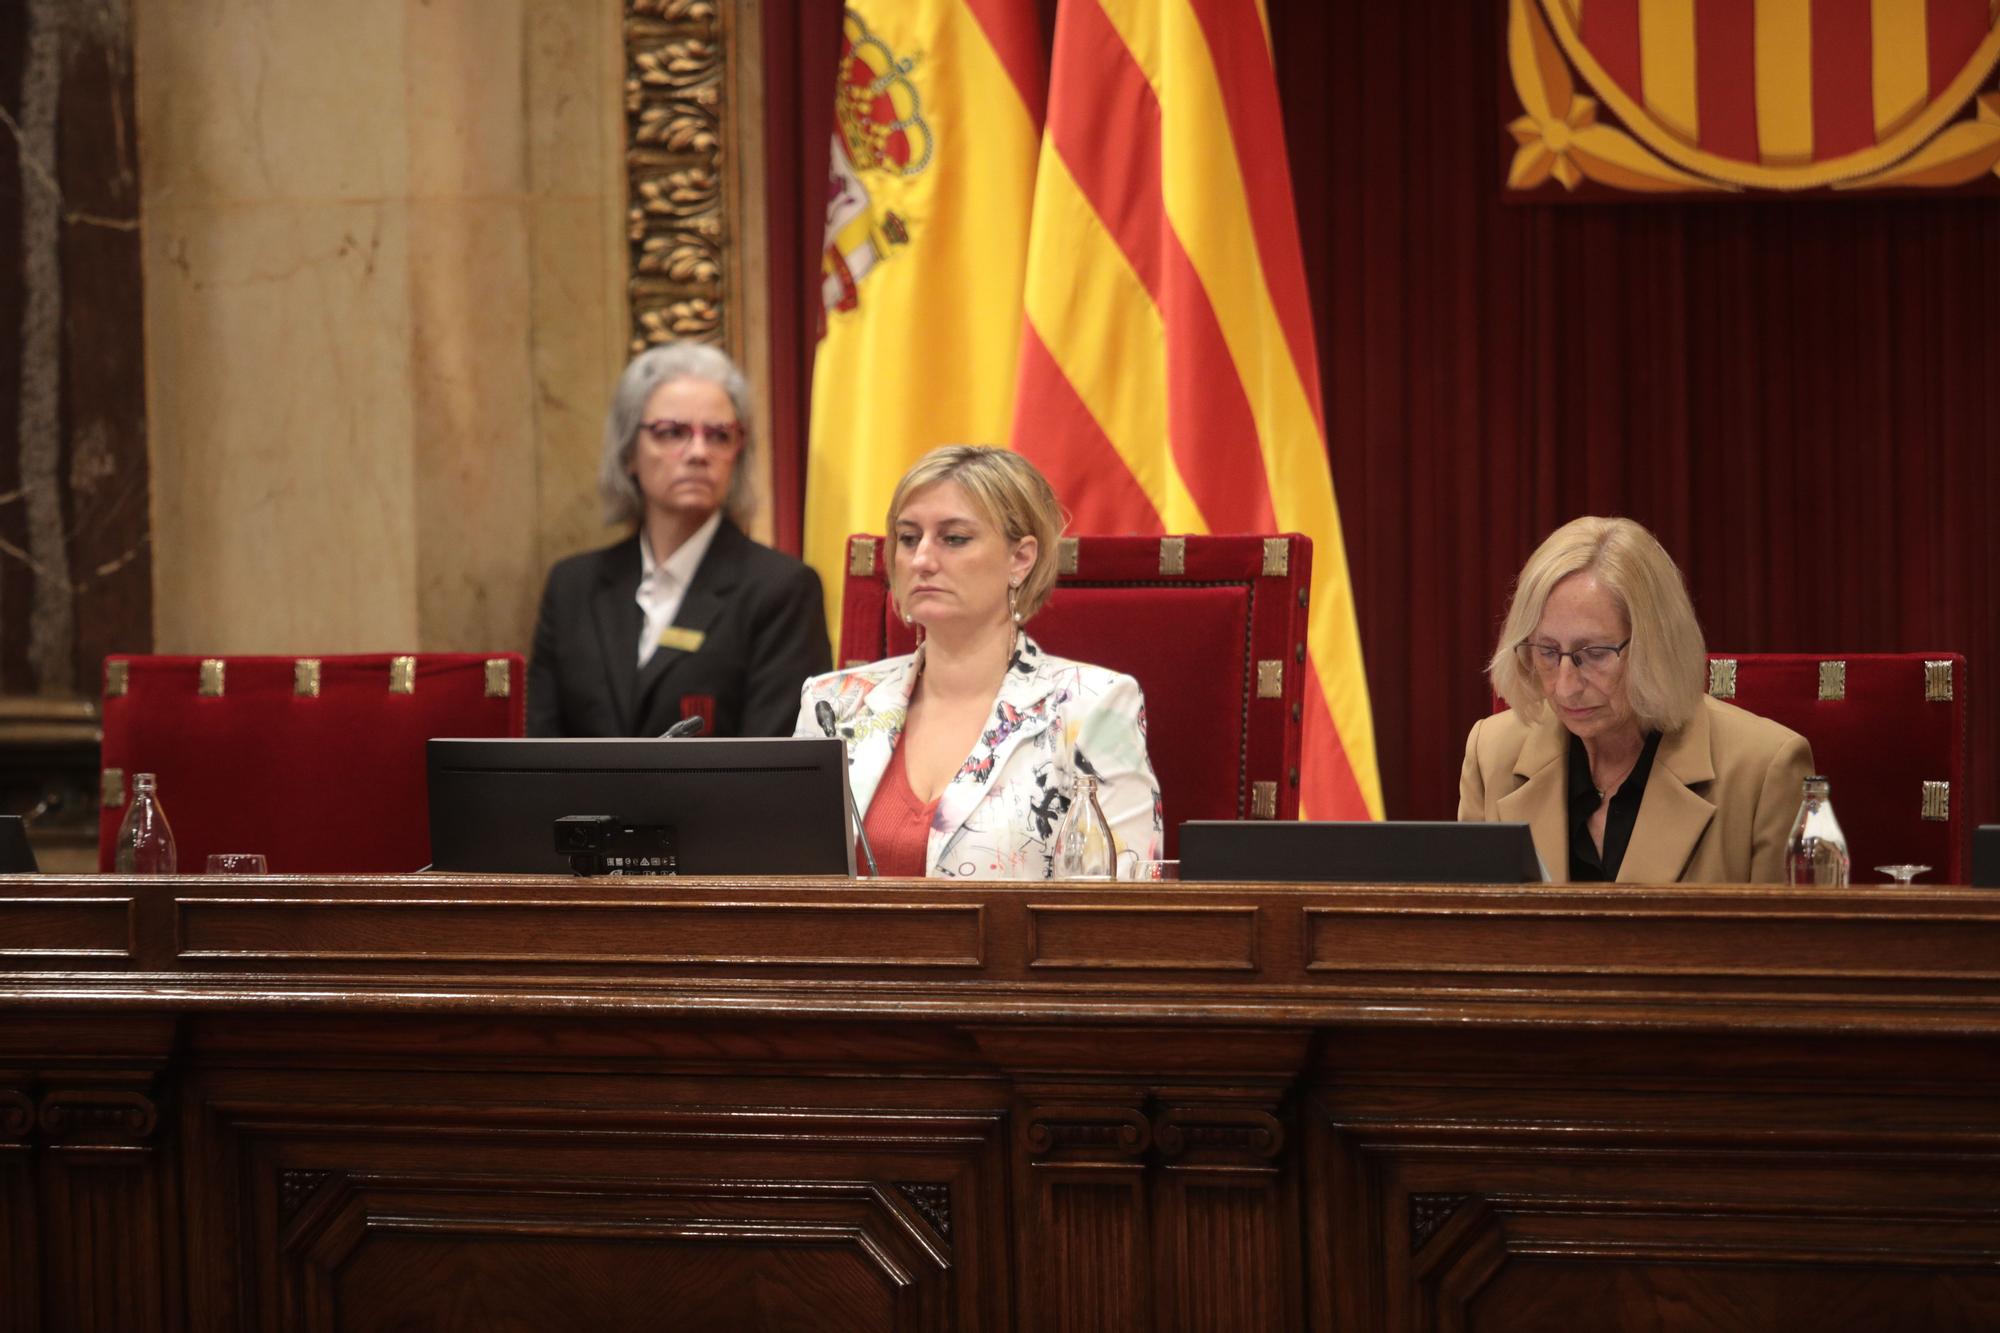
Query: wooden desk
x=486 y=1103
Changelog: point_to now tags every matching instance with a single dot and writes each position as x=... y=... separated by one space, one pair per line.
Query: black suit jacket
x=759 y=611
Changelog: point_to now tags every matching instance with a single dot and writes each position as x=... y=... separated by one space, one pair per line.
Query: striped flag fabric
x=1168 y=378
x=1785 y=82
x=937 y=125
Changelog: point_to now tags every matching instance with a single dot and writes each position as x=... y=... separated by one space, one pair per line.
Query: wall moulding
x=696 y=250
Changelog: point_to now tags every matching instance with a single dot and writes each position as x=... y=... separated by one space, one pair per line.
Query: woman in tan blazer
x=1609 y=751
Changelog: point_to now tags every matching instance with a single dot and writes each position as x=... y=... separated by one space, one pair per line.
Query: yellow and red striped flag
x=1168 y=377
x=937 y=123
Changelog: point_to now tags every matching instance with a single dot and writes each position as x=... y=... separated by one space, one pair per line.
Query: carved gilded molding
x=678 y=165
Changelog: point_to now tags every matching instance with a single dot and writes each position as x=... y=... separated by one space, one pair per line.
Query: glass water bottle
x=1816 y=853
x=145 y=842
x=1085 y=848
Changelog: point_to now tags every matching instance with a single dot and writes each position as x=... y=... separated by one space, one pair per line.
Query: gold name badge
x=681 y=640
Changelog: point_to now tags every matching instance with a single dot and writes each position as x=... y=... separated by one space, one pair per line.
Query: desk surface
x=456 y=1101
x=1879 y=958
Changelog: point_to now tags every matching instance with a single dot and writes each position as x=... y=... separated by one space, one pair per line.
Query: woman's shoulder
x=855 y=681
x=1738 y=731
x=1504 y=732
x=589 y=564
x=763 y=562
x=1088 y=679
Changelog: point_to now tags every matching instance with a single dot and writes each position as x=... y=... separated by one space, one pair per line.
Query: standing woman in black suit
x=686 y=616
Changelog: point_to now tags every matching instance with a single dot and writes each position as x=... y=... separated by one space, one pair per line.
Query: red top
x=898 y=824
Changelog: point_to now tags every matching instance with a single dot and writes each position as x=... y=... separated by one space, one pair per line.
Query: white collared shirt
x=663 y=584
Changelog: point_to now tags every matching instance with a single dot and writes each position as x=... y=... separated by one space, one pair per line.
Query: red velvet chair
x=1214 y=628
x=318 y=763
x=1889 y=732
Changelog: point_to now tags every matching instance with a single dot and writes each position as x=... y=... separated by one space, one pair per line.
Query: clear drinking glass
x=236 y=863
x=1085 y=848
x=1816 y=853
x=1901 y=874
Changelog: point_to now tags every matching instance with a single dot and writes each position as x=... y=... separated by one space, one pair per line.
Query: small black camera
x=604 y=845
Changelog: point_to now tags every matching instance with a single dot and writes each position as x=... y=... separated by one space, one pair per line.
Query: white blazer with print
x=997 y=817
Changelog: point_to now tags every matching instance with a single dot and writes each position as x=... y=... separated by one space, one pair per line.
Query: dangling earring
x=1013 y=602
x=906 y=618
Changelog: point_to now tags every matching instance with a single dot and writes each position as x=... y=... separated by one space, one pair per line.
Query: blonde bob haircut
x=1012 y=495
x=1665 y=662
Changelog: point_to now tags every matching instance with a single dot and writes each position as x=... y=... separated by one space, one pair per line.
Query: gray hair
x=646 y=373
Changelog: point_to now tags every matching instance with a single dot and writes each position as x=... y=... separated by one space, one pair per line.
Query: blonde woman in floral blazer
x=962 y=754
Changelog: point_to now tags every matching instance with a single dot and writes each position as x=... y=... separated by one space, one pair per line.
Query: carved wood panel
x=450 y=1197
x=1574 y=1188
x=681 y=172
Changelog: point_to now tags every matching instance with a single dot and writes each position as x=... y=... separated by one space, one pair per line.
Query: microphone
x=823 y=713
x=687 y=726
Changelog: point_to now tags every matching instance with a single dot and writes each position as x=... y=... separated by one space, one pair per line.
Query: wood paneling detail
x=1182 y=939
x=1562 y=1122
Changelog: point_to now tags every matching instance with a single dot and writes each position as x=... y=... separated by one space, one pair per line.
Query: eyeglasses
x=680 y=434
x=1547 y=658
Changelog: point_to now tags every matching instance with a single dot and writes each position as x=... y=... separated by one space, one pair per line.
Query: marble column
x=384 y=275
x=75 y=576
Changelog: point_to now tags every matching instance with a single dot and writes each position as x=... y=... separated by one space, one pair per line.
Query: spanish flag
x=938 y=110
x=1168 y=379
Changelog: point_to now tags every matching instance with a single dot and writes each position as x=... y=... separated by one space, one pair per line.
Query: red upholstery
x=1878 y=745
x=324 y=784
x=1193 y=639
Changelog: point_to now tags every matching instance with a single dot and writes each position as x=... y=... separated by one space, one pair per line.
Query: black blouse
x=1585 y=865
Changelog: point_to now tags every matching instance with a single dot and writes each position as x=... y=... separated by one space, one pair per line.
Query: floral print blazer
x=998 y=816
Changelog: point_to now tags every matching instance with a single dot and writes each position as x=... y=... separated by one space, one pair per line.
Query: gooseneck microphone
x=687 y=726
x=823 y=712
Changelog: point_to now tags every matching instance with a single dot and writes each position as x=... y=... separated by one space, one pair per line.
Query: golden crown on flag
x=877 y=109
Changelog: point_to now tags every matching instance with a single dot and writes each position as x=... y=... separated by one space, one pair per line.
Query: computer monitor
x=1359 y=853
x=735 y=807
x=16 y=856
x=1986 y=856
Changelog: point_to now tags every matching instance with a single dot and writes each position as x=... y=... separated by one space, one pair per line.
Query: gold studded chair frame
x=1214 y=628
x=1888 y=730
x=316 y=762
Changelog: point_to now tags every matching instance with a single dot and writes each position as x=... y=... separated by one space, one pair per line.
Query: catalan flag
x=937 y=123
x=1168 y=377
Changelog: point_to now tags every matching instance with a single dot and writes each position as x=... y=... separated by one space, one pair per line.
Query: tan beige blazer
x=1718 y=805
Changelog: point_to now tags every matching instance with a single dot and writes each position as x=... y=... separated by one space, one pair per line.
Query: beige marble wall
x=384 y=293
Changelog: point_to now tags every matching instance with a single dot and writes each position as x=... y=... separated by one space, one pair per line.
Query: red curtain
x=1797 y=396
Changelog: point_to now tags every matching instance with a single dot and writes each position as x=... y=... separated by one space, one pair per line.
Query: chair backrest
x=1888 y=730
x=318 y=762
x=1214 y=629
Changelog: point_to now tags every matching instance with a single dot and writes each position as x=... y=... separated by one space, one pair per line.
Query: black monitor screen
x=1359 y=853
x=16 y=856
x=734 y=807
x=1986 y=857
